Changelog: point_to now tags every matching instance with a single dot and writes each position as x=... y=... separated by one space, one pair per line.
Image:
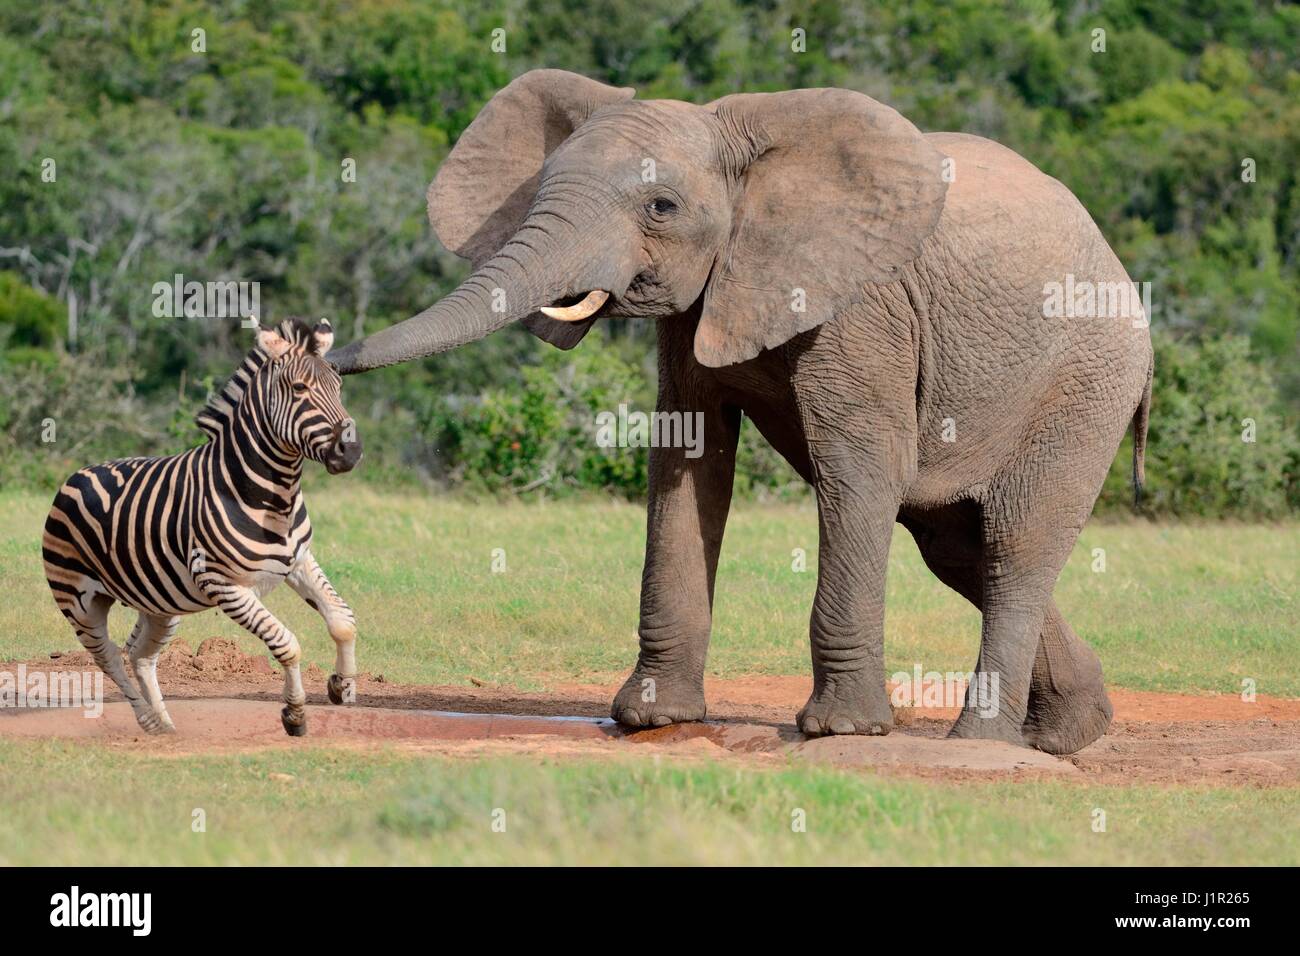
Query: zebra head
x=304 y=408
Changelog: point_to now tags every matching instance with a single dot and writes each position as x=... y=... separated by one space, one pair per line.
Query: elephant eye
x=662 y=206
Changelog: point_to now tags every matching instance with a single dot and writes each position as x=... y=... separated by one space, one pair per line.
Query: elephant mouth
x=577 y=308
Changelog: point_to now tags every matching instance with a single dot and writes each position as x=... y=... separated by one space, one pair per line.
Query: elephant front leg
x=689 y=496
x=848 y=617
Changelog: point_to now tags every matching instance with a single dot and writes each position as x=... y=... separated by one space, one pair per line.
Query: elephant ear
x=836 y=191
x=486 y=185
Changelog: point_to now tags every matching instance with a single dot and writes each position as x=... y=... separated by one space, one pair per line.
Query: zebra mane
x=217 y=413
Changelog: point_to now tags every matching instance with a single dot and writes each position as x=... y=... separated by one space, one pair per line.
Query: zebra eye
x=300 y=387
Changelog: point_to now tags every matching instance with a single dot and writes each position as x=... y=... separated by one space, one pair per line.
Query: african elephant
x=874 y=299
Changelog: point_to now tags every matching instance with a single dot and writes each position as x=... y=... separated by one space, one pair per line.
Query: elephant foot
x=646 y=701
x=971 y=726
x=1068 y=707
x=1063 y=724
x=840 y=708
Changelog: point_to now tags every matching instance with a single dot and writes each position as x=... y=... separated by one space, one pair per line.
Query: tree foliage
x=211 y=139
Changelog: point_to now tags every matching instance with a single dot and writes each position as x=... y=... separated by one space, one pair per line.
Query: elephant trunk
x=525 y=276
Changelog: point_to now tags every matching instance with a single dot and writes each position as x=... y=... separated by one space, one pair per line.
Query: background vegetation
x=226 y=165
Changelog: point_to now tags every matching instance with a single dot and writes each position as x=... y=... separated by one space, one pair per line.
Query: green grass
x=1183 y=608
x=67 y=803
x=1178 y=608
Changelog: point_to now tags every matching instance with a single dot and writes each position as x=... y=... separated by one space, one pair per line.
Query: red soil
x=223 y=699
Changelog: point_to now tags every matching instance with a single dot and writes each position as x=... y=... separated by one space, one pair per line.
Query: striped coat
x=217 y=526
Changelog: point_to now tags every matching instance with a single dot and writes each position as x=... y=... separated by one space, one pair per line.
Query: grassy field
x=66 y=804
x=1184 y=608
x=1177 y=608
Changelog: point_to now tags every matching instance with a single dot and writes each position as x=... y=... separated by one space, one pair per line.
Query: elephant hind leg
x=1068 y=708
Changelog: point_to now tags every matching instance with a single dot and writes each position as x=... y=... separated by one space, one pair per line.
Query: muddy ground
x=223 y=700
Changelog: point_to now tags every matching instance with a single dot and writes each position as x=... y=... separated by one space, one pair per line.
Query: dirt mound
x=217 y=660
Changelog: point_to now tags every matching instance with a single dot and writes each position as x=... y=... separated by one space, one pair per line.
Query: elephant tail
x=1140 y=419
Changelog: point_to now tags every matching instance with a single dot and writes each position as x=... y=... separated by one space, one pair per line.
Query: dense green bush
x=60 y=412
x=541 y=432
x=538 y=437
x=1219 y=443
x=28 y=319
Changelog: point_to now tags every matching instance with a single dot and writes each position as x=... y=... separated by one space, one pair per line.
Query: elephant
x=876 y=300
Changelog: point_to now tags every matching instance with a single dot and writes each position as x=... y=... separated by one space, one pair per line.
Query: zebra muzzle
x=346 y=450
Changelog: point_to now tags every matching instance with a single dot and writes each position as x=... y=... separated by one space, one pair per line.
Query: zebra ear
x=270 y=342
x=324 y=336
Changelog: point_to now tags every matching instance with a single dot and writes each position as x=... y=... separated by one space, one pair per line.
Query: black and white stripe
x=217 y=526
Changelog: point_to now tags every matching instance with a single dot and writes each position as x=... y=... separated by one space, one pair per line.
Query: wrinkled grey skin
x=923 y=312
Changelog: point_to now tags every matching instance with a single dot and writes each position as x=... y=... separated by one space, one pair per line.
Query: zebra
x=217 y=526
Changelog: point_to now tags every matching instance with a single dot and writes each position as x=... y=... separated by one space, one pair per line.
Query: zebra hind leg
x=89 y=619
x=151 y=635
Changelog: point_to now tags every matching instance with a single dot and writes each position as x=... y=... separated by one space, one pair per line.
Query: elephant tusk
x=582 y=310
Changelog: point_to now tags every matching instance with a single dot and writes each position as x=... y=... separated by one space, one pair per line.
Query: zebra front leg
x=152 y=633
x=310 y=582
x=244 y=607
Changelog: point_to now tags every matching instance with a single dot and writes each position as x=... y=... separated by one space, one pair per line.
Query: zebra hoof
x=155 y=725
x=341 y=690
x=298 y=729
